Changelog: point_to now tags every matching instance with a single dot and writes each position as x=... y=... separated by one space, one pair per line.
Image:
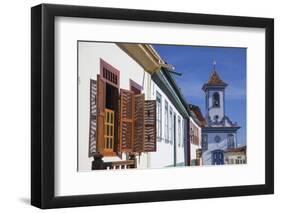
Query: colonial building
x=236 y=155
x=219 y=133
x=172 y=122
x=131 y=112
x=196 y=123
x=117 y=118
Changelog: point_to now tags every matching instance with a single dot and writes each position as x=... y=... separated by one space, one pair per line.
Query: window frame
x=171 y=136
x=230 y=143
x=204 y=143
x=179 y=131
x=158 y=116
x=166 y=121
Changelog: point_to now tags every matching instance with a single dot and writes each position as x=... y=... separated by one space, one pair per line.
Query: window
x=166 y=122
x=230 y=141
x=135 y=87
x=137 y=123
x=183 y=133
x=239 y=160
x=107 y=106
x=159 y=115
x=216 y=118
x=109 y=74
x=109 y=130
x=171 y=126
x=204 y=142
x=191 y=134
x=216 y=99
x=179 y=131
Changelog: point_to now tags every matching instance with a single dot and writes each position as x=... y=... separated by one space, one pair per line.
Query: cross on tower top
x=214 y=64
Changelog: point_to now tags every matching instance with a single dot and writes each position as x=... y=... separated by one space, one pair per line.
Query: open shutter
x=150 y=126
x=100 y=113
x=126 y=120
x=138 y=130
x=93 y=118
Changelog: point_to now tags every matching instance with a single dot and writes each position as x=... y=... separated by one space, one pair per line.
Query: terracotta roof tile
x=197 y=112
x=238 y=149
x=215 y=79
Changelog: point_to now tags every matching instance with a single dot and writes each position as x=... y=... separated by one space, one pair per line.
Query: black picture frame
x=43 y=101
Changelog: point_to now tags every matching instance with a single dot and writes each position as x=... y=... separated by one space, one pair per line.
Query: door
x=217 y=157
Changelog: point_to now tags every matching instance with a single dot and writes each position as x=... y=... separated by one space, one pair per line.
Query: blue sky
x=196 y=63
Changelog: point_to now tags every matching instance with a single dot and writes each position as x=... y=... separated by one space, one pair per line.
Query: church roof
x=214 y=80
x=198 y=115
x=238 y=149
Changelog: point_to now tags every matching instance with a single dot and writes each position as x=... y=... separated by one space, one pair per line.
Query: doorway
x=217 y=157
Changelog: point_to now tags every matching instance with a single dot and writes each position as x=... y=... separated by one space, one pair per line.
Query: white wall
x=15 y=105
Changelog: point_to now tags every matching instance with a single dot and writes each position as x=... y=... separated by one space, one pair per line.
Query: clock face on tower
x=217 y=138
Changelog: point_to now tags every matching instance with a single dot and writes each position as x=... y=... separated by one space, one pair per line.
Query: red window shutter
x=100 y=113
x=138 y=130
x=126 y=121
x=150 y=126
x=93 y=118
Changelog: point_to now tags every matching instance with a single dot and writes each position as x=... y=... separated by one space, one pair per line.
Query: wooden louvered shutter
x=93 y=118
x=100 y=113
x=126 y=121
x=150 y=126
x=138 y=130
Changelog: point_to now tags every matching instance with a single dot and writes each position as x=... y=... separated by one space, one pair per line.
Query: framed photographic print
x=139 y=106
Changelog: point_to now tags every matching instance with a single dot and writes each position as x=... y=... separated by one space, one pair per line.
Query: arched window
x=204 y=142
x=216 y=99
x=230 y=141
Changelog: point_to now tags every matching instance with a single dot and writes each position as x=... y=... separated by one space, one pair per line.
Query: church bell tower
x=214 y=97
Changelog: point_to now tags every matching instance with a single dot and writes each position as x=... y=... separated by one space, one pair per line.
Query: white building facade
x=123 y=112
x=170 y=132
x=118 y=71
x=236 y=155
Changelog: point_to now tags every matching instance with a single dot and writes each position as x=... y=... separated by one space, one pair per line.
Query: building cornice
x=220 y=129
x=144 y=55
x=163 y=82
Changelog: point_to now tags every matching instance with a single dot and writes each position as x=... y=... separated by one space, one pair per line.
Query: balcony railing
x=128 y=164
